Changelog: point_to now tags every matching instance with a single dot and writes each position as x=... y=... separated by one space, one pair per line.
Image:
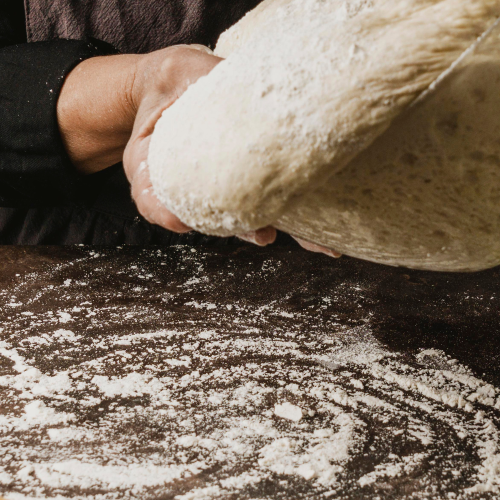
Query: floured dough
x=426 y=194
x=283 y=132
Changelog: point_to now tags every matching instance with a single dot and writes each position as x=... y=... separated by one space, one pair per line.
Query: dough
x=284 y=132
x=426 y=193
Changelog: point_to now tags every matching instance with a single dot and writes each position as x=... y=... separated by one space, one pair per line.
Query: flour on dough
x=426 y=193
x=308 y=85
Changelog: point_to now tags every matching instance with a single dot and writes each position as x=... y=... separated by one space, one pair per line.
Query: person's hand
x=161 y=78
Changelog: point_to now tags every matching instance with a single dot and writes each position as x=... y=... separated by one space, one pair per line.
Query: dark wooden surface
x=288 y=322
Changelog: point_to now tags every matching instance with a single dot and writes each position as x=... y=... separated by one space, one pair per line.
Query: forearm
x=96 y=112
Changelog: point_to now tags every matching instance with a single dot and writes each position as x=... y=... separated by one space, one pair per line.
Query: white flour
x=134 y=413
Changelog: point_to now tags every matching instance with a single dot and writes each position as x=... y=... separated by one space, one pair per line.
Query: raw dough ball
x=310 y=85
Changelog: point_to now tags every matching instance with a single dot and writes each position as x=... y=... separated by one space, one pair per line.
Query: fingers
x=155 y=212
x=261 y=237
x=318 y=249
x=149 y=205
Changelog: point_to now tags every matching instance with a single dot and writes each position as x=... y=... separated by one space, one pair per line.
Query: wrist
x=144 y=79
x=96 y=112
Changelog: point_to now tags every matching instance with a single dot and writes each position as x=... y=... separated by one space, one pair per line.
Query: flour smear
x=96 y=404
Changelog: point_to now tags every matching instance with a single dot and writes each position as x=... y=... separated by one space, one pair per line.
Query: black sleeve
x=35 y=169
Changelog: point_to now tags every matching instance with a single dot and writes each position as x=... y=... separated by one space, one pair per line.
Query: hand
x=161 y=79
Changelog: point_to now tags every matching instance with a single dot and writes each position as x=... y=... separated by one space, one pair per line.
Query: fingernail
x=334 y=254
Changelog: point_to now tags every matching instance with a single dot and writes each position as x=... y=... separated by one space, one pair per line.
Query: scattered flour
x=117 y=411
x=288 y=411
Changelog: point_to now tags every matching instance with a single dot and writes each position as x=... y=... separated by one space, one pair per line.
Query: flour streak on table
x=242 y=373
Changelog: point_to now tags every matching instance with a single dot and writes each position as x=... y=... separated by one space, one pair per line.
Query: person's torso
x=134 y=26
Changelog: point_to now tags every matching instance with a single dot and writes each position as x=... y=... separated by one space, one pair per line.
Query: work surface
x=244 y=373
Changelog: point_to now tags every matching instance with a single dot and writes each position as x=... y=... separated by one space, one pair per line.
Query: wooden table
x=238 y=373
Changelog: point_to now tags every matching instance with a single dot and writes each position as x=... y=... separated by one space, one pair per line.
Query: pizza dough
x=294 y=130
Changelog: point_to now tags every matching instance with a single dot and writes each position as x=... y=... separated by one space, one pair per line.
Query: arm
x=62 y=106
x=96 y=111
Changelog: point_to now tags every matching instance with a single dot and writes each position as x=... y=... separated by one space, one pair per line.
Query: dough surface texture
x=308 y=126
